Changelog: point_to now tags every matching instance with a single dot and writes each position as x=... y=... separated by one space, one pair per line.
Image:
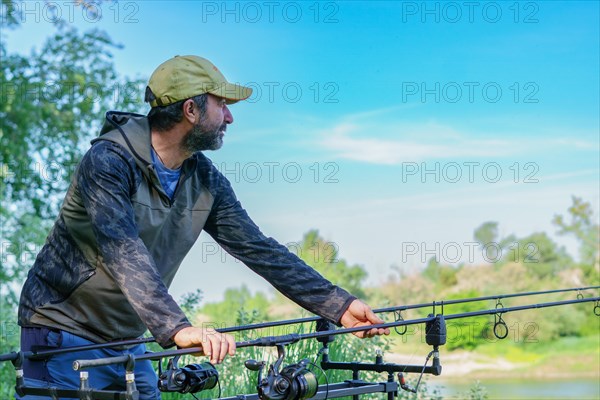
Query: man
x=137 y=203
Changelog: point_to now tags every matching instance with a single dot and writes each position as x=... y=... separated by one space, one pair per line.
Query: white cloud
x=372 y=141
x=343 y=144
x=575 y=143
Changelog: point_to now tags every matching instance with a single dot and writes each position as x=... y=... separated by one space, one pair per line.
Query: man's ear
x=190 y=111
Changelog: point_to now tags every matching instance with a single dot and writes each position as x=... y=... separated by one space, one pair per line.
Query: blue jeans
x=58 y=370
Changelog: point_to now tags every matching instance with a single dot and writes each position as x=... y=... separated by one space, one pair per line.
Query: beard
x=202 y=137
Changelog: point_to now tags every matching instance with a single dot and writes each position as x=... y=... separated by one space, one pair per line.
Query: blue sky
x=392 y=127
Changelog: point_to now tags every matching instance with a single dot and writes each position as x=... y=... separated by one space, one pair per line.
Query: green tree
x=486 y=233
x=323 y=256
x=190 y=302
x=540 y=254
x=443 y=276
x=537 y=251
x=582 y=225
x=236 y=301
x=52 y=103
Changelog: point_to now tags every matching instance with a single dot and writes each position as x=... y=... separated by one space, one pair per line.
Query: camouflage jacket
x=106 y=266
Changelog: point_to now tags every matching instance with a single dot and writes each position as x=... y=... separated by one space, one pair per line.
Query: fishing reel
x=190 y=379
x=293 y=382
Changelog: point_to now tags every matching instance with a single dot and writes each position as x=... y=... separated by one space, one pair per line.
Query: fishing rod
x=484 y=298
x=40 y=355
x=296 y=381
x=270 y=341
x=293 y=380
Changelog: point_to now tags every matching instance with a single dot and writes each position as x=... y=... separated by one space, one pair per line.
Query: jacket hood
x=137 y=141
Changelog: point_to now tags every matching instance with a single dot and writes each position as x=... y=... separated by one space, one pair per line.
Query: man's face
x=208 y=132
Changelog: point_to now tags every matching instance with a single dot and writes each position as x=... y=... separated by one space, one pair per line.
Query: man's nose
x=228 y=117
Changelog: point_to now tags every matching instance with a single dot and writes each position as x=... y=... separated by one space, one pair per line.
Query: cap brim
x=231 y=92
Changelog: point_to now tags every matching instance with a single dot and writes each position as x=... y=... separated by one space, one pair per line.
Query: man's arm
x=231 y=227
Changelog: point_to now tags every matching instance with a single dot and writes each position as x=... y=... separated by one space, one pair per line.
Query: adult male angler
x=138 y=200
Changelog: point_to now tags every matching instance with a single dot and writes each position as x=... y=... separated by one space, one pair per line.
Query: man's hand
x=214 y=344
x=360 y=314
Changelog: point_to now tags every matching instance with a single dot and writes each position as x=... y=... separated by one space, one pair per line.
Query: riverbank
x=563 y=359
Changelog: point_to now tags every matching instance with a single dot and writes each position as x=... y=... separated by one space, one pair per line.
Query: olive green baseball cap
x=183 y=77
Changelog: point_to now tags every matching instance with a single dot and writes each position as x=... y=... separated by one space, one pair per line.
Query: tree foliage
x=323 y=256
x=236 y=301
x=441 y=275
x=486 y=233
x=581 y=224
x=540 y=254
x=52 y=102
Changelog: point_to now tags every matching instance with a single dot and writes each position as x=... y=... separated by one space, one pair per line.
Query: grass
x=531 y=352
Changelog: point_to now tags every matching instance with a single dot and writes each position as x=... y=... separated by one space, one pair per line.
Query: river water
x=581 y=389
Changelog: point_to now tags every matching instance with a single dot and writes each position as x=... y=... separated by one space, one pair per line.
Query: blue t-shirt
x=168 y=177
